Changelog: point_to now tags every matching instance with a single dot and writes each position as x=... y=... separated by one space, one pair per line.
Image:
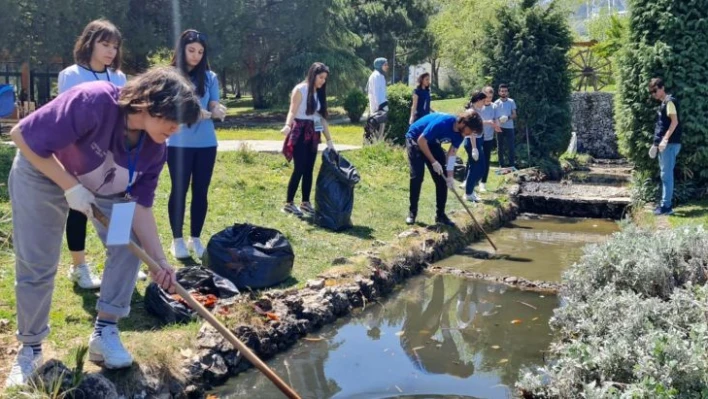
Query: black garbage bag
x=372 y=125
x=334 y=198
x=205 y=285
x=250 y=256
x=460 y=170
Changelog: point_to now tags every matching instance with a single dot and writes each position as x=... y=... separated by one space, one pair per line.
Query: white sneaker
x=195 y=244
x=25 y=364
x=142 y=276
x=472 y=197
x=108 y=350
x=85 y=276
x=482 y=188
x=179 y=249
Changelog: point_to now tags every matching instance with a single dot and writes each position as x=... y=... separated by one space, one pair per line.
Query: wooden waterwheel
x=588 y=69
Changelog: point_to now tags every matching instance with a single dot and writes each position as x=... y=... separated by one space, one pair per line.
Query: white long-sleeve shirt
x=376 y=89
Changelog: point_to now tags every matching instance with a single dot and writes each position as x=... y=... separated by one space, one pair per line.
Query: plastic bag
x=205 y=286
x=334 y=198
x=250 y=256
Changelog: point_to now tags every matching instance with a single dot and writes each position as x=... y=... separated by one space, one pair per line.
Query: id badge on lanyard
x=132 y=164
x=318 y=124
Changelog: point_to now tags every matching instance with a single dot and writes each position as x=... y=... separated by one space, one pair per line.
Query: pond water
x=535 y=247
x=440 y=335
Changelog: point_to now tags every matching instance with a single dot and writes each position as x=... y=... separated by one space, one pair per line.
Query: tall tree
x=528 y=50
x=666 y=39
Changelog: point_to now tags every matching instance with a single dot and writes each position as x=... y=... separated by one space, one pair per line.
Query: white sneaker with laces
x=195 y=244
x=472 y=197
x=179 y=249
x=482 y=188
x=85 y=276
x=108 y=350
x=25 y=364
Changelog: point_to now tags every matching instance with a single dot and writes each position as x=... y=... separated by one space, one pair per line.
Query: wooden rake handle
x=472 y=216
x=208 y=316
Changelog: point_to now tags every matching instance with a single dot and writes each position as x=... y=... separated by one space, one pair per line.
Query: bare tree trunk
x=435 y=69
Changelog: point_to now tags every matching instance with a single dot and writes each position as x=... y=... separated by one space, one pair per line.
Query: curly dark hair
x=167 y=94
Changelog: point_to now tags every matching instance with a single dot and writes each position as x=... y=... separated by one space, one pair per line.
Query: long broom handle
x=473 y=218
x=204 y=313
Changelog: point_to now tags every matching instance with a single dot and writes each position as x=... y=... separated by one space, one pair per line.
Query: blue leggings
x=475 y=169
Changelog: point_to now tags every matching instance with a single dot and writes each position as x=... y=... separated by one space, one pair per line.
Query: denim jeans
x=475 y=169
x=667 y=162
x=507 y=140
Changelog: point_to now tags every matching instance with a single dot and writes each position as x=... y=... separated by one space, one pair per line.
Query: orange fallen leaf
x=272 y=316
x=212 y=396
x=516 y=321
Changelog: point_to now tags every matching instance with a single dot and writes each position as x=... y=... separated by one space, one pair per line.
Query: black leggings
x=304 y=157
x=417 y=163
x=488 y=147
x=76 y=231
x=185 y=164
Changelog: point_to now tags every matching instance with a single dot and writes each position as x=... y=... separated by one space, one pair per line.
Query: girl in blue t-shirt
x=421 y=98
x=97 y=54
x=191 y=153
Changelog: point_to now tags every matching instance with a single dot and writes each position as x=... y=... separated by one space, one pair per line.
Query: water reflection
x=439 y=335
x=536 y=248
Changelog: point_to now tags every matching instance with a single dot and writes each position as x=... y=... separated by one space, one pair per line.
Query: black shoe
x=443 y=219
x=411 y=218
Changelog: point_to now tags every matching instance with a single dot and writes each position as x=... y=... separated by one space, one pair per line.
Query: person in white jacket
x=376 y=89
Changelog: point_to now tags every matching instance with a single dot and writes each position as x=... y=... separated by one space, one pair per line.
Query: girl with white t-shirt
x=308 y=104
x=97 y=54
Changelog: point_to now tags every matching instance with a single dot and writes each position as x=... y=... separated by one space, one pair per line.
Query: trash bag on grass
x=334 y=198
x=205 y=286
x=250 y=256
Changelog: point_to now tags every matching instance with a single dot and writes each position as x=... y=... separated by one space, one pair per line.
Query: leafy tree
x=527 y=49
x=666 y=39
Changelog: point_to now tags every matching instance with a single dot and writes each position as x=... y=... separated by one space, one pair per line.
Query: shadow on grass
x=137 y=320
x=693 y=213
x=363 y=232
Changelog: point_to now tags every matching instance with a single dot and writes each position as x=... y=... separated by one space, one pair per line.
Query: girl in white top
x=376 y=87
x=308 y=106
x=97 y=54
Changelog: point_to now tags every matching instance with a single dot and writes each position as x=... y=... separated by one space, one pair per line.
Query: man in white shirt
x=376 y=90
x=506 y=113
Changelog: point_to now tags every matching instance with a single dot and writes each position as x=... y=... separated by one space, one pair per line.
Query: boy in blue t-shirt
x=423 y=144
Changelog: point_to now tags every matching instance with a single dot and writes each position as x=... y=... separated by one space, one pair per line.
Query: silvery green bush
x=634 y=321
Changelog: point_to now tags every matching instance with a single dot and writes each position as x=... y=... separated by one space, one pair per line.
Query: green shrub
x=528 y=50
x=354 y=104
x=666 y=39
x=633 y=322
x=400 y=98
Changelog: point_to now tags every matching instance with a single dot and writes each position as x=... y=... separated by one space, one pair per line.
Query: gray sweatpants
x=39 y=211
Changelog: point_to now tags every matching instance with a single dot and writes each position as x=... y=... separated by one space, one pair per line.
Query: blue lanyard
x=133 y=162
x=108 y=75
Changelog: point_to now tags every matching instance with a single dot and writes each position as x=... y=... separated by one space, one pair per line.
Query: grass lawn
x=247 y=187
x=450 y=106
x=341 y=134
x=692 y=213
x=244 y=107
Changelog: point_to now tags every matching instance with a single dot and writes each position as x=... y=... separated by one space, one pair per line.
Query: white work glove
x=437 y=168
x=205 y=114
x=450 y=183
x=653 y=151
x=330 y=145
x=663 y=144
x=285 y=130
x=475 y=154
x=80 y=199
x=503 y=119
x=219 y=112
